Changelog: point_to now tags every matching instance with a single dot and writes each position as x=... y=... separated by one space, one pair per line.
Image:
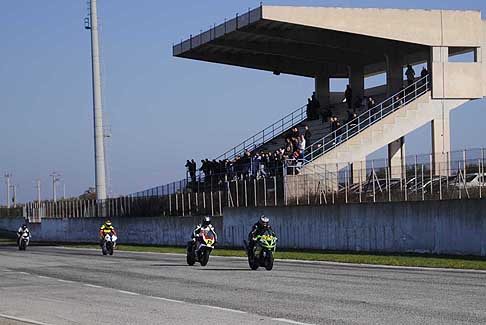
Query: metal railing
x=269 y=133
x=368 y=118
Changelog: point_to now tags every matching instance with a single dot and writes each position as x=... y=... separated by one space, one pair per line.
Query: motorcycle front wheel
x=204 y=257
x=253 y=263
x=103 y=249
x=269 y=261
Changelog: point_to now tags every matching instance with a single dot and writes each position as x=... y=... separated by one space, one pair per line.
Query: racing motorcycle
x=109 y=243
x=263 y=250
x=200 y=250
x=24 y=241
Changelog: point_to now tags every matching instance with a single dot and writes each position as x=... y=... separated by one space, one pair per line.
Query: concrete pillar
x=356 y=80
x=394 y=73
x=322 y=87
x=439 y=56
x=396 y=158
x=441 y=143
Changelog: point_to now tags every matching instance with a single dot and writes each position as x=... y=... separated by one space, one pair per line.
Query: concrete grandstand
x=324 y=43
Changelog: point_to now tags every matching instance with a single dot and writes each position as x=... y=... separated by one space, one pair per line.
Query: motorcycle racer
x=106 y=229
x=22 y=230
x=258 y=229
x=206 y=223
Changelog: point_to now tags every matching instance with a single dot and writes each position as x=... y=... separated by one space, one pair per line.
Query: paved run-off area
x=49 y=285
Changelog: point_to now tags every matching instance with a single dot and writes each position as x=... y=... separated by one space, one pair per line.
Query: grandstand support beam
x=356 y=80
x=394 y=73
x=323 y=88
x=396 y=158
x=441 y=142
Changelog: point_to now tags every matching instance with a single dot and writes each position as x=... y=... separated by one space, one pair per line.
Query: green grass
x=422 y=260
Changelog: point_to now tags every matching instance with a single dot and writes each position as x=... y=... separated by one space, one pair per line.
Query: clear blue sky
x=162 y=110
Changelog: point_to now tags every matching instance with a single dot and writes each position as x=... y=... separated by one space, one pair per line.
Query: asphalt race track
x=49 y=285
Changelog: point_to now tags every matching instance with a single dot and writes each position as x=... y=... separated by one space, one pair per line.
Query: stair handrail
x=270 y=132
x=368 y=118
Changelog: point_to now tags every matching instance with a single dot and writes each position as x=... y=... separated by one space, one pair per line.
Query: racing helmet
x=206 y=221
x=264 y=221
x=108 y=223
x=24 y=226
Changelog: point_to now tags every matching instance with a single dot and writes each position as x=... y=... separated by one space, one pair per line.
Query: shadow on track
x=222 y=269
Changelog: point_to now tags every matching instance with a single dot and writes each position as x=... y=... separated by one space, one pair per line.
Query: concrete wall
x=152 y=231
x=446 y=227
x=442 y=227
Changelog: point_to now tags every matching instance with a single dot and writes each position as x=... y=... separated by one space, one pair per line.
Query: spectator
x=410 y=73
x=302 y=146
x=348 y=95
x=423 y=74
x=307 y=135
x=357 y=104
x=289 y=147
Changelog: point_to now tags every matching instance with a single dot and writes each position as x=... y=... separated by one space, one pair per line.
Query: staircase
x=388 y=121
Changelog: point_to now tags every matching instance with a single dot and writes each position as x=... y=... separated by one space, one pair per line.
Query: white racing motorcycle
x=24 y=241
x=109 y=244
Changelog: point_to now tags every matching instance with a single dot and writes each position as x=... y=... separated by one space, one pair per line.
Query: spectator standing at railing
x=410 y=73
x=302 y=145
x=423 y=74
x=289 y=147
x=307 y=135
x=348 y=95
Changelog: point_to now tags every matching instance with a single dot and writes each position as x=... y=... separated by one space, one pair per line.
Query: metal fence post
x=265 y=191
x=237 y=193
x=220 y=205
x=182 y=203
x=431 y=178
x=246 y=194
x=212 y=204
x=423 y=184
x=275 y=188
x=255 y=191
x=440 y=182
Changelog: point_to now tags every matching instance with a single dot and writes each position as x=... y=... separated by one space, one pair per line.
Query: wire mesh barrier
x=449 y=176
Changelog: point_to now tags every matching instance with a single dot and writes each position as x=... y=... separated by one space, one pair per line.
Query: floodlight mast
x=100 y=173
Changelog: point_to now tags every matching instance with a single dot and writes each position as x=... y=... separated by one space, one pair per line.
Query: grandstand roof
x=305 y=40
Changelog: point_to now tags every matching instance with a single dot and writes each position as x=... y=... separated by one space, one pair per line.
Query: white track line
x=289 y=321
x=93 y=286
x=128 y=293
x=225 y=309
x=65 y=281
x=169 y=300
x=25 y=320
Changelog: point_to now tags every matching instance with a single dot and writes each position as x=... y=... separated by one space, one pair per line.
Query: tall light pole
x=100 y=174
x=7 y=181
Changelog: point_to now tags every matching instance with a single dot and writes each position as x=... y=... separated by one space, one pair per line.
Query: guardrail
x=271 y=132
